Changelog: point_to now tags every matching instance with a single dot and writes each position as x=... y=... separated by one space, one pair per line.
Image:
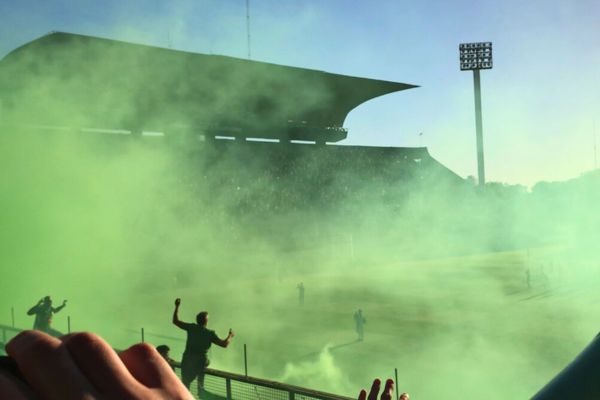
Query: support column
x=479 y=129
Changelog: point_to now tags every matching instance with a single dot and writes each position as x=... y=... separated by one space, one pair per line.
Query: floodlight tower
x=473 y=57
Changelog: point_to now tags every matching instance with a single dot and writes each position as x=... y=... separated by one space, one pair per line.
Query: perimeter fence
x=221 y=385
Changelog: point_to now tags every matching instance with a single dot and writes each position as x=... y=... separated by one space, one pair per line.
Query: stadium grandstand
x=258 y=138
x=229 y=111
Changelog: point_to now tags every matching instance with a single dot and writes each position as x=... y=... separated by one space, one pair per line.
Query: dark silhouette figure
x=163 y=350
x=43 y=312
x=300 y=288
x=199 y=339
x=359 y=323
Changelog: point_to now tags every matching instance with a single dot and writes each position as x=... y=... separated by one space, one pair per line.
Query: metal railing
x=232 y=386
x=8 y=332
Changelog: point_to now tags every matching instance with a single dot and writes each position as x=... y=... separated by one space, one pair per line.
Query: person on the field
x=359 y=322
x=199 y=339
x=404 y=396
x=43 y=312
x=300 y=288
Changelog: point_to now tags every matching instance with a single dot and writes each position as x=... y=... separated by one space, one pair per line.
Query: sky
x=540 y=101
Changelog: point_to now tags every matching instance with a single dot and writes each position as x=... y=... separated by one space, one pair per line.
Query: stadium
x=139 y=174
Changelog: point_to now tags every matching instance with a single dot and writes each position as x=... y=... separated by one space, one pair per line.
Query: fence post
x=68 y=324
x=143 y=335
x=12 y=314
x=228 y=388
x=245 y=361
x=396 y=376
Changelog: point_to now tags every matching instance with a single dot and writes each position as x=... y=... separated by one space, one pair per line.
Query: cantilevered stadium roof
x=77 y=80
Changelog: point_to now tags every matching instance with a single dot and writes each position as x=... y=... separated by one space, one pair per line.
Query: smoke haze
x=121 y=225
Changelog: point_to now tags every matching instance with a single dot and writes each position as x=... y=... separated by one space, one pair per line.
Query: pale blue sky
x=539 y=102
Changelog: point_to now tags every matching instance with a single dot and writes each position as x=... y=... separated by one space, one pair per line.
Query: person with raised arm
x=199 y=339
x=43 y=312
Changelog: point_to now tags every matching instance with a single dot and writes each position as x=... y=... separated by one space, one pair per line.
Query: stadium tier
x=302 y=174
x=75 y=80
x=195 y=100
x=259 y=176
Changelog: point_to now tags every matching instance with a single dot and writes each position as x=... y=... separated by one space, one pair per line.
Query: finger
x=48 y=367
x=374 y=389
x=388 y=391
x=101 y=365
x=362 y=395
x=13 y=389
x=150 y=368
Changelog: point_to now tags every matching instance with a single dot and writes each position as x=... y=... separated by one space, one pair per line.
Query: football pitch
x=473 y=327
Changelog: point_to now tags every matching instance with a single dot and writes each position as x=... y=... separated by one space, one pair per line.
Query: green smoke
x=121 y=225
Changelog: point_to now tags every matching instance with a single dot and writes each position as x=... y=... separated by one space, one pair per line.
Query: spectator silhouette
x=43 y=312
x=199 y=339
x=164 y=350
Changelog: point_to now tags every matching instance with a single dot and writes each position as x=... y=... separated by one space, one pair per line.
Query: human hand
x=83 y=365
x=231 y=333
x=177 y=302
x=387 y=393
x=64 y=303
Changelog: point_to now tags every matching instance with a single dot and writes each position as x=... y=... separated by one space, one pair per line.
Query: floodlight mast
x=473 y=57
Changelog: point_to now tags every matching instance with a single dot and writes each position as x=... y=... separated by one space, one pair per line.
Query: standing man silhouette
x=359 y=321
x=43 y=312
x=199 y=339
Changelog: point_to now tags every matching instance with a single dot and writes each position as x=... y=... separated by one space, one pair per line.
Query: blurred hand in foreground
x=84 y=366
x=387 y=394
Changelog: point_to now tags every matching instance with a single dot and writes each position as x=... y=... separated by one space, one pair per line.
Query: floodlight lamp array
x=475 y=56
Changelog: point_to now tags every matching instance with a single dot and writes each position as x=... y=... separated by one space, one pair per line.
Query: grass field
x=469 y=327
